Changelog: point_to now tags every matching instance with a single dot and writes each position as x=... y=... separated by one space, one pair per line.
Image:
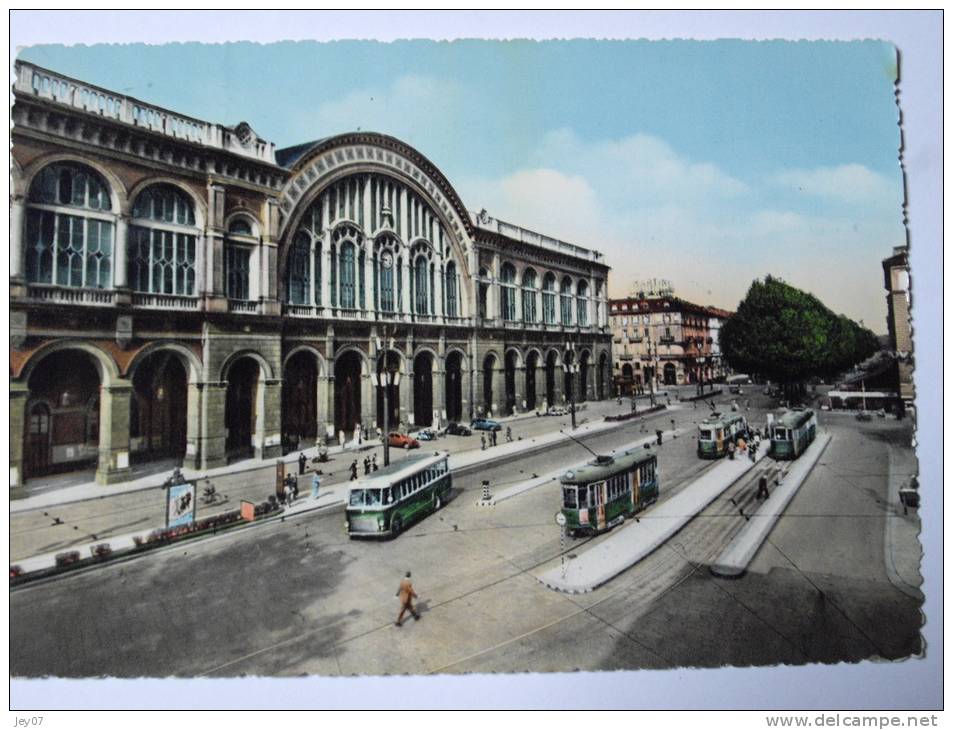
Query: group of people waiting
x=747 y=444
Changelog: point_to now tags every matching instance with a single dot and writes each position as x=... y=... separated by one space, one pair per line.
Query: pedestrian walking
x=302 y=462
x=374 y=462
x=367 y=465
x=406 y=596
x=763 y=487
x=753 y=452
x=353 y=470
x=493 y=436
x=482 y=442
x=315 y=485
x=731 y=450
x=509 y=434
x=289 y=491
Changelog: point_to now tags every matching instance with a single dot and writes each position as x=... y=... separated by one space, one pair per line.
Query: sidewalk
x=902 y=548
x=332 y=496
x=629 y=544
x=736 y=557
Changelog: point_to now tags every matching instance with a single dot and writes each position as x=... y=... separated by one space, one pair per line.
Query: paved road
x=34 y=532
x=298 y=597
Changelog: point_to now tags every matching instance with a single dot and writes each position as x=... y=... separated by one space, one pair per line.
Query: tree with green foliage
x=787 y=336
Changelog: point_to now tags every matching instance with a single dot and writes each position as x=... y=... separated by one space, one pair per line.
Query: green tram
x=602 y=493
x=792 y=433
x=717 y=431
x=397 y=495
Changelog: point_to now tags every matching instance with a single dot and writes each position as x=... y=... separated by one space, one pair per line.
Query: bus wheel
x=437 y=504
x=395 y=525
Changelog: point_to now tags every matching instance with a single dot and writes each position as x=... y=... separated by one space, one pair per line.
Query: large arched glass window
x=565 y=301
x=162 y=242
x=421 y=285
x=348 y=276
x=529 y=296
x=508 y=292
x=385 y=279
x=582 y=303
x=549 y=298
x=69 y=228
x=450 y=290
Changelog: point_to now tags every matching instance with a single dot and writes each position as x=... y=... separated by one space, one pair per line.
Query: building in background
x=656 y=335
x=897 y=283
x=183 y=291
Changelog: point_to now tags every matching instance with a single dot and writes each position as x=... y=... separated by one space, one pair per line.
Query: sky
x=708 y=163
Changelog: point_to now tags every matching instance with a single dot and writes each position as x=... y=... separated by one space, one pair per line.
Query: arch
x=299 y=399
x=350 y=367
x=424 y=364
x=490 y=363
x=362 y=356
x=243 y=403
x=601 y=376
x=455 y=367
x=669 y=374
x=200 y=206
x=108 y=369
x=63 y=426
x=190 y=360
x=552 y=363
x=322 y=363
x=533 y=360
x=390 y=361
x=119 y=195
x=428 y=350
x=242 y=214
x=266 y=368
x=584 y=364
x=511 y=362
x=158 y=418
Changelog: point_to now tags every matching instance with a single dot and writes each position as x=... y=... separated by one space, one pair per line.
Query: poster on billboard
x=180 y=508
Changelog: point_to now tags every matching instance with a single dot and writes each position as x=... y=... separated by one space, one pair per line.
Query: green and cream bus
x=385 y=502
x=716 y=431
x=601 y=494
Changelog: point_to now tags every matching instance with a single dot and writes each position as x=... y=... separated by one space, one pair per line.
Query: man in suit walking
x=406 y=595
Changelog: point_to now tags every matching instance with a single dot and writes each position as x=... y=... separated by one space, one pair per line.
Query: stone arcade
x=182 y=290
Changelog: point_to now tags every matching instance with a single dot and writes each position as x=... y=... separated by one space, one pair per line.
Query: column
x=406 y=294
x=211 y=446
x=326 y=275
x=499 y=392
x=268 y=261
x=439 y=384
x=267 y=439
x=404 y=223
x=369 y=308
x=541 y=387
x=17 y=212
x=326 y=407
x=407 y=396
x=114 y=432
x=193 y=427
x=369 y=395
x=19 y=394
x=120 y=249
x=366 y=207
x=215 y=251
x=519 y=382
x=438 y=290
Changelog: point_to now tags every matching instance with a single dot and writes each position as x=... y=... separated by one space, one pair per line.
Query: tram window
x=583 y=497
x=569 y=497
x=704 y=435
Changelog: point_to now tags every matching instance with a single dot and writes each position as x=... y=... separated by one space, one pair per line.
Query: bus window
x=569 y=497
x=387 y=495
x=372 y=497
x=357 y=498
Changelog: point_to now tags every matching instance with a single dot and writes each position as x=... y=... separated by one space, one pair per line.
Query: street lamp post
x=384 y=380
x=570 y=366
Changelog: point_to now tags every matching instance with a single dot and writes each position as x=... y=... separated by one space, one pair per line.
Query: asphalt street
x=298 y=597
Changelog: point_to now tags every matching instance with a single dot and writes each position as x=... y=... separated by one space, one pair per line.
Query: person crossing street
x=406 y=596
x=353 y=470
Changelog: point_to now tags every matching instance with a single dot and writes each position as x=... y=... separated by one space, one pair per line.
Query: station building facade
x=182 y=290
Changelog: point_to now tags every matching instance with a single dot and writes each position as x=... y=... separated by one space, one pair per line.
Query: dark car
x=455 y=429
x=484 y=424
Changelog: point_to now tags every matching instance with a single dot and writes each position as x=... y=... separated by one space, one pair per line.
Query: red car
x=403 y=441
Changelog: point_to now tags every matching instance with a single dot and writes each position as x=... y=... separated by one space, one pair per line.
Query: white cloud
x=655 y=212
x=845 y=183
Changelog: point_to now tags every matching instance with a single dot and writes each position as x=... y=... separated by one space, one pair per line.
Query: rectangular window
x=237 y=264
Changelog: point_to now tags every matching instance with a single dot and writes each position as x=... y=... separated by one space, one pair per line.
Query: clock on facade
x=387 y=260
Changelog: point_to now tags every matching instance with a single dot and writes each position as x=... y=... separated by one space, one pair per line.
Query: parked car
x=484 y=424
x=426 y=435
x=403 y=441
x=456 y=429
x=554 y=411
